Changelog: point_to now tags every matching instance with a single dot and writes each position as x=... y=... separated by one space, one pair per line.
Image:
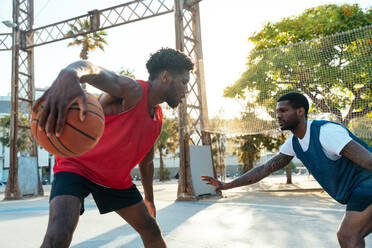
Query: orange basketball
x=77 y=137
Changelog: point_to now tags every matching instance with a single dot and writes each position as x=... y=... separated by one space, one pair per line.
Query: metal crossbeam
x=5 y=42
x=100 y=19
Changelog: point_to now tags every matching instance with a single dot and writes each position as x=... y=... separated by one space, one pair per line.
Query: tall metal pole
x=12 y=189
x=193 y=114
x=185 y=190
x=22 y=89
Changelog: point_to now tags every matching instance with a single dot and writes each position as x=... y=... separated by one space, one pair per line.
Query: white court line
x=282 y=206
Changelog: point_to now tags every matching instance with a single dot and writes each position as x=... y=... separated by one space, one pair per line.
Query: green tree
x=23 y=137
x=88 y=41
x=249 y=147
x=335 y=73
x=167 y=143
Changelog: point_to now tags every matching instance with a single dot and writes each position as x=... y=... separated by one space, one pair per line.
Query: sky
x=225 y=25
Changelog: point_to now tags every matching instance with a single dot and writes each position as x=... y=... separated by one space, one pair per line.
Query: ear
x=301 y=112
x=165 y=76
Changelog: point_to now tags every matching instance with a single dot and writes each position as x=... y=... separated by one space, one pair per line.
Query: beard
x=290 y=125
x=172 y=102
x=171 y=98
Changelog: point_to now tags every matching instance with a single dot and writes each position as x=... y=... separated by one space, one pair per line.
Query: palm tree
x=167 y=143
x=89 y=41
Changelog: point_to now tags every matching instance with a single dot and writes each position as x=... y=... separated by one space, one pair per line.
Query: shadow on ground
x=169 y=218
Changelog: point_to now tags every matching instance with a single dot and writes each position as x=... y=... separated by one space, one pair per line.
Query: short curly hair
x=296 y=100
x=168 y=59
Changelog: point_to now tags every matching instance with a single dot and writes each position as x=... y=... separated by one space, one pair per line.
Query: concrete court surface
x=268 y=214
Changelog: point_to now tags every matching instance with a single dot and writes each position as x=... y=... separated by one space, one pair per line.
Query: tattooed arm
x=254 y=175
x=358 y=154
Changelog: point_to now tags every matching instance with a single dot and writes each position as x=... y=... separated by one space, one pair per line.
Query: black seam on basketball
x=77 y=107
x=95 y=113
x=94 y=105
x=51 y=142
x=100 y=110
x=88 y=103
x=59 y=140
x=56 y=142
x=87 y=135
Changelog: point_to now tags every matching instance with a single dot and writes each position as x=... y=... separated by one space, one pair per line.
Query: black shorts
x=361 y=197
x=107 y=199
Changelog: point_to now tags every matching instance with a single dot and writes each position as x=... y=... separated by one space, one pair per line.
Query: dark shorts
x=107 y=199
x=361 y=197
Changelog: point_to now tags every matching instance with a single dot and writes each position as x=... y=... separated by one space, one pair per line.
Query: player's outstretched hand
x=64 y=91
x=214 y=182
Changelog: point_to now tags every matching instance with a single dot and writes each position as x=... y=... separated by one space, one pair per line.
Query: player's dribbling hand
x=214 y=182
x=64 y=91
x=150 y=207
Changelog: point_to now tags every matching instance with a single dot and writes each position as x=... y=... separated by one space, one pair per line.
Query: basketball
x=77 y=137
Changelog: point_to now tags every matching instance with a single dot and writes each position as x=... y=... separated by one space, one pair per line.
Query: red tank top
x=126 y=140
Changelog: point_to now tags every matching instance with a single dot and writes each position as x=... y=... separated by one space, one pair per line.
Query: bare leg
x=140 y=219
x=354 y=227
x=64 y=212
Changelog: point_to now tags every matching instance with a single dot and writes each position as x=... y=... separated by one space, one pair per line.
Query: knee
x=346 y=238
x=150 y=228
x=342 y=237
x=58 y=236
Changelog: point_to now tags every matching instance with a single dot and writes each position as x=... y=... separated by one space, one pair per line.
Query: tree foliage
x=250 y=147
x=23 y=139
x=167 y=142
x=88 y=41
x=334 y=72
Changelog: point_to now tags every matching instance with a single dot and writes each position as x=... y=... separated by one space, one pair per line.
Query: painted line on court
x=256 y=205
x=16 y=210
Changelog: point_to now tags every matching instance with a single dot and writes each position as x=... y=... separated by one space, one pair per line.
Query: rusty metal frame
x=5 y=41
x=193 y=114
x=22 y=90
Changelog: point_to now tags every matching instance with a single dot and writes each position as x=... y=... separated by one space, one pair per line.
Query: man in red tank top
x=132 y=125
